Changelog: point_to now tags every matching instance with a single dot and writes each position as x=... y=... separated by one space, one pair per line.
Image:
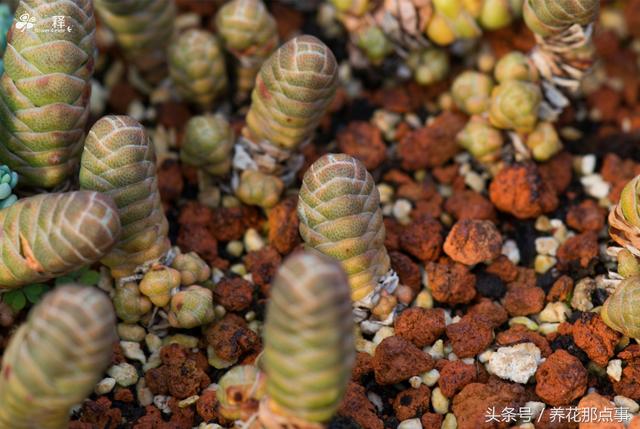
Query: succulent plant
x=374 y=43
x=208 y=142
x=260 y=189
x=249 y=32
x=451 y=20
x=49 y=235
x=340 y=216
x=628 y=264
x=496 y=14
x=471 y=91
x=429 y=66
x=129 y=303
x=157 y=284
x=8 y=182
x=620 y=311
x=624 y=218
x=192 y=268
x=515 y=66
x=550 y=17
x=239 y=392
x=544 y=142
x=142 y=28
x=6 y=19
x=197 y=67
x=191 y=307
x=308 y=342
x=514 y=105
x=119 y=161
x=45 y=89
x=55 y=359
x=481 y=139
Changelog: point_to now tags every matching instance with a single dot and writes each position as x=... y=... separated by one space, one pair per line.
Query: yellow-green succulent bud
x=620 y=310
x=119 y=160
x=129 y=303
x=515 y=66
x=429 y=66
x=471 y=91
x=240 y=391
x=197 y=67
x=192 y=268
x=340 y=216
x=191 y=307
x=157 y=284
x=45 y=89
x=496 y=14
x=308 y=341
x=629 y=202
x=8 y=182
x=628 y=264
x=550 y=17
x=352 y=7
x=260 y=189
x=374 y=43
x=55 y=359
x=451 y=21
x=514 y=105
x=249 y=32
x=544 y=142
x=208 y=142
x=483 y=141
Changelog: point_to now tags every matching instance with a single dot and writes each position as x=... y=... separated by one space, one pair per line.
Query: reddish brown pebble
x=519 y=190
x=234 y=294
x=598 y=403
x=519 y=334
x=450 y=282
x=455 y=376
x=421 y=326
x=407 y=270
x=362 y=367
x=230 y=223
x=185 y=380
x=503 y=268
x=411 y=403
x=207 y=405
x=470 y=336
x=523 y=301
x=363 y=141
x=422 y=239
x=198 y=238
x=121 y=95
x=123 y=394
x=173 y=114
x=194 y=213
x=587 y=216
x=397 y=359
x=492 y=311
x=170 y=182
x=578 y=250
x=263 y=264
x=356 y=406
x=470 y=405
x=471 y=241
x=561 y=289
x=592 y=335
x=99 y=413
x=230 y=337
x=431 y=420
x=629 y=384
x=283 y=226
x=558 y=172
x=469 y=204
x=561 y=379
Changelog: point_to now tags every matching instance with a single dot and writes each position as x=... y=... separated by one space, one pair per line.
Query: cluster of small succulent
x=6 y=19
x=8 y=182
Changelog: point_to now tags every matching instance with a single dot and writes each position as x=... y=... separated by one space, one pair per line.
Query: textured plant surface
x=340 y=216
x=119 y=161
x=239 y=392
x=8 y=182
x=55 y=359
x=44 y=92
x=49 y=235
x=248 y=31
x=208 y=142
x=6 y=19
x=624 y=218
x=549 y=17
x=308 y=340
x=191 y=307
x=621 y=310
x=197 y=68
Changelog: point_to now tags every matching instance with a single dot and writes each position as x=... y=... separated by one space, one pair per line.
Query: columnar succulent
x=45 y=89
x=292 y=93
x=119 y=161
x=249 y=32
x=308 y=343
x=49 y=235
x=208 y=142
x=197 y=67
x=55 y=359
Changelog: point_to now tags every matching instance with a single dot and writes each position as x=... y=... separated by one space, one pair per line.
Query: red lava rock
x=356 y=406
x=523 y=301
x=470 y=336
x=411 y=403
x=592 y=335
x=418 y=191
x=283 y=225
x=170 y=182
x=182 y=373
x=595 y=401
x=230 y=337
x=198 y=238
x=503 y=268
x=422 y=239
x=194 y=213
x=392 y=230
x=207 y=405
x=421 y=326
x=629 y=384
x=561 y=289
x=433 y=145
x=407 y=270
x=173 y=114
x=181 y=418
x=561 y=379
x=471 y=241
x=520 y=190
x=450 y=282
x=397 y=359
x=230 y=223
x=362 y=366
x=234 y=294
x=587 y=216
x=427 y=208
x=492 y=311
x=519 y=334
x=100 y=414
x=469 y=204
x=558 y=171
x=606 y=102
x=632 y=17
x=364 y=142
x=446 y=174
x=455 y=375
x=431 y=421
x=123 y=394
x=263 y=264
x=121 y=96
x=470 y=405
x=526 y=278
x=185 y=380
x=618 y=172
x=578 y=250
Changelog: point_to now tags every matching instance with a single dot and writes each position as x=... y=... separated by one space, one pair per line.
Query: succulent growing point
x=340 y=216
x=620 y=311
x=191 y=307
x=119 y=160
x=197 y=67
x=374 y=43
x=157 y=284
x=471 y=91
x=481 y=139
x=628 y=264
x=49 y=235
x=208 y=142
x=624 y=218
x=551 y=17
x=129 y=303
x=8 y=182
x=55 y=359
x=451 y=20
x=514 y=105
x=239 y=392
x=192 y=268
x=260 y=189
x=308 y=342
x=496 y=14
x=429 y=65
x=544 y=142
x=44 y=91
x=249 y=32
x=515 y=66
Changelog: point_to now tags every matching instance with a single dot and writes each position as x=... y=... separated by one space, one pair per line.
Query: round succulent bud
x=197 y=68
x=129 y=303
x=514 y=105
x=496 y=14
x=119 y=161
x=192 y=268
x=292 y=93
x=544 y=142
x=515 y=66
x=260 y=189
x=481 y=139
x=340 y=216
x=157 y=284
x=374 y=43
x=629 y=202
x=239 y=392
x=8 y=182
x=550 y=17
x=191 y=307
x=55 y=359
x=621 y=311
x=628 y=264
x=45 y=89
x=429 y=66
x=471 y=91
x=451 y=21
x=308 y=340
x=208 y=142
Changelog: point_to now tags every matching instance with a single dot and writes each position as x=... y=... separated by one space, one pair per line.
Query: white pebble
x=136 y=110
x=235 y=248
x=386 y=193
x=624 y=402
x=133 y=351
x=162 y=403
x=614 y=369
x=485 y=356
x=253 y=241
x=131 y=332
x=516 y=363
x=511 y=251
x=587 y=164
x=536 y=408
x=415 y=381
x=547 y=246
x=439 y=402
x=555 y=312
x=401 y=210
x=450 y=422
x=383 y=332
x=376 y=400
x=410 y=424
x=475 y=181
x=595 y=185
x=143 y=393
x=544 y=263
x=543 y=224
x=124 y=373
x=430 y=378
x=436 y=350
x=105 y=386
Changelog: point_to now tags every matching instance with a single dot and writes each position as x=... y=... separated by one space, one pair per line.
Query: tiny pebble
x=485 y=356
x=624 y=402
x=544 y=263
x=235 y=248
x=133 y=351
x=410 y=424
x=546 y=246
x=153 y=342
x=376 y=400
x=475 y=181
x=188 y=401
x=386 y=193
x=186 y=341
x=543 y=224
x=614 y=369
x=124 y=373
x=136 y=110
x=439 y=402
x=536 y=408
x=105 y=386
x=162 y=403
x=436 y=350
x=548 y=328
x=516 y=363
x=131 y=332
x=229 y=201
x=153 y=361
x=252 y=240
x=219 y=311
x=450 y=422
x=587 y=164
x=430 y=378
x=555 y=312
x=415 y=381
x=511 y=251
x=239 y=269
x=365 y=346
x=384 y=332
x=424 y=299
x=145 y=397
x=521 y=320
x=595 y=185
x=401 y=210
